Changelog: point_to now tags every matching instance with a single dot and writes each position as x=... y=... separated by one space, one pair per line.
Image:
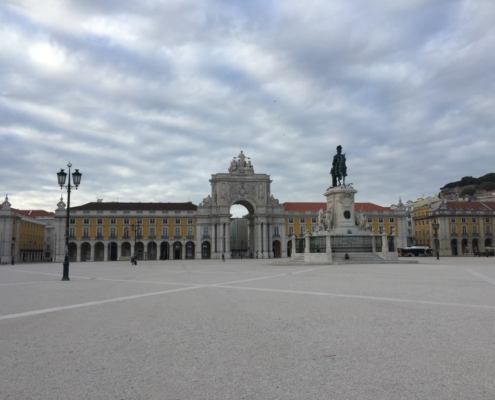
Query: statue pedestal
x=341 y=201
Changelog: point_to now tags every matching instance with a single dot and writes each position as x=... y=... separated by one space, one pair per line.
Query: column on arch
x=266 y=248
x=227 y=238
x=258 y=238
x=78 y=253
x=105 y=251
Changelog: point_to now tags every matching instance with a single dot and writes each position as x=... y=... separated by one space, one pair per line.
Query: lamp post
x=435 y=227
x=62 y=176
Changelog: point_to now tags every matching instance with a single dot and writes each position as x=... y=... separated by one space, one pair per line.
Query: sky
x=149 y=98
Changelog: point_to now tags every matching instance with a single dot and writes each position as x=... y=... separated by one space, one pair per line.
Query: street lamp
x=62 y=176
x=435 y=227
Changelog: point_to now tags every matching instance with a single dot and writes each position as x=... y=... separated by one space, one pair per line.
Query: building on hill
x=24 y=234
x=464 y=227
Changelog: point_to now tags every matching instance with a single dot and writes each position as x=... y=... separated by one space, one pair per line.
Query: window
x=99 y=232
x=291 y=220
x=189 y=231
x=189 y=221
x=488 y=229
x=303 y=230
x=313 y=220
x=72 y=233
x=475 y=229
x=302 y=220
x=463 y=219
x=113 y=221
x=99 y=221
x=380 y=220
x=85 y=232
x=126 y=232
x=454 y=229
x=164 y=221
x=370 y=220
x=113 y=232
x=487 y=220
x=177 y=231
x=205 y=231
x=291 y=230
x=126 y=221
x=275 y=231
x=152 y=231
x=86 y=221
x=139 y=221
x=313 y=228
x=72 y=221
x=464 y=230
x=165 y=231
x=380 y=229
x=177 y=221
x=452 y=220
x=392 y=220
x=152 y=221
x=473 y=220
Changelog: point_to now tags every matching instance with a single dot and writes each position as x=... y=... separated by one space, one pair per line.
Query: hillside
x=469 y=185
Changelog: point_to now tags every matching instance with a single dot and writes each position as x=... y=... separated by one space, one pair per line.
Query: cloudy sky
x=149 y=98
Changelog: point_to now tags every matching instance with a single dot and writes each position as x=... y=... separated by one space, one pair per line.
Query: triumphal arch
x=266 y=216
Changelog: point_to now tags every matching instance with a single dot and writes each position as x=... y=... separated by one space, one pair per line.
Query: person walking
x=223 y=257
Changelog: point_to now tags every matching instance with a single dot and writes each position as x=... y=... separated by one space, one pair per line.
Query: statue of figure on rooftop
x=339 y=169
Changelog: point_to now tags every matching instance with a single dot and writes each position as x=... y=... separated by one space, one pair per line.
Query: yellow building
x=463 y=227
x=111 y=231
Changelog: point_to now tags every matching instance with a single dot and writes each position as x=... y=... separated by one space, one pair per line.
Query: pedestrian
x=223 y=257
x=256 y=253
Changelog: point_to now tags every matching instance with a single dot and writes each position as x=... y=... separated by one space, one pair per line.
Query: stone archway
x=277 y=249
x=72 y=252
x=85 y=252
x=164 y=251
x=453 y=246
x=177 y=251
x=205 y=250
x=242 y=186
x=99 y=251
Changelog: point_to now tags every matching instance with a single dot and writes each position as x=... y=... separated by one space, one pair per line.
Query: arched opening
x=112 y=251
x=189 y=250
x=453 y=247
x=289 y=248
x=276 y=247
x=99 y=252
x=125 y=250
x=72 y=252
x=475 y=246
x=164 y=251
x=206 y=250
x=151 y=251
x=85 y=252
x=139 y=250
x=177 y=250
x=488 y=242
x=464 y=245
x=241 y=236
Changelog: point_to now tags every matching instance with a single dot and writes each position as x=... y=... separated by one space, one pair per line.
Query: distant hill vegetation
x=469 y=185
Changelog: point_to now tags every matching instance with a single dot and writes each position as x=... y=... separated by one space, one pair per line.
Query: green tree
x=468 y=191
x=487 y=186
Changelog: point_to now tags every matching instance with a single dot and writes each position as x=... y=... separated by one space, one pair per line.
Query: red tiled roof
x=315 y=207
x=467 y=206
x=36 y=213
x=111 y=206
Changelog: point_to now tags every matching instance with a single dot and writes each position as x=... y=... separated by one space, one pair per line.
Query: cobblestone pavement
x=246 y=329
